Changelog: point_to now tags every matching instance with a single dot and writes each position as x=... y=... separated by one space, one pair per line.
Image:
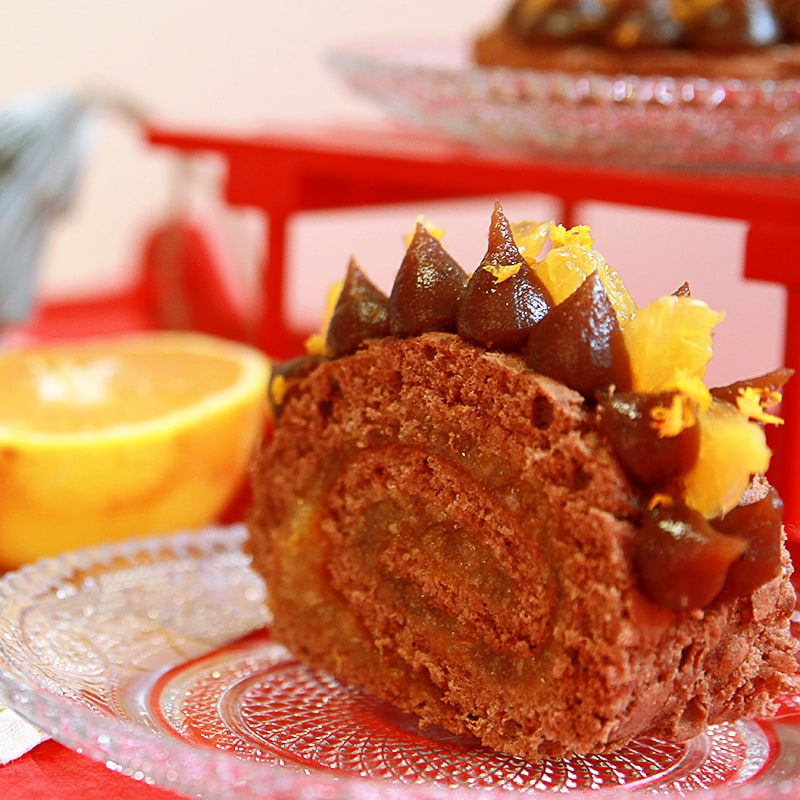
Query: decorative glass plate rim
x=432 y=83
x=448 y=58
x=138 y=751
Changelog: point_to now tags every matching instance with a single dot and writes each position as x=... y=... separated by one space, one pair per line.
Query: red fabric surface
x=54 y=772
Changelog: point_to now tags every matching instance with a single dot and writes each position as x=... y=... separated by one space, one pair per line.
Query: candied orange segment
x=433 y=230
x=571 y=260
x=732 y=449
x=753 y=402
x=564 y=269
x=621 y=299
x=669 y=344
x=315 y=344
x=531 y=237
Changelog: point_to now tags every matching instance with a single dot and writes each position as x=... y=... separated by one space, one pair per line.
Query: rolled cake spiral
x=552 y=554
x=439 y=526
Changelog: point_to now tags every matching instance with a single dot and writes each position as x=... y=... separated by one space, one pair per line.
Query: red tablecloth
x=54 y=772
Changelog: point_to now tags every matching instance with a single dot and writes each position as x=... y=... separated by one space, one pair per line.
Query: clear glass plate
x=155 y=657
x=621 y=119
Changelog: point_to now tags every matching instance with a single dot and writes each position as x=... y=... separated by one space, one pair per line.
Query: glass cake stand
x=155 y=656
x=688 y=122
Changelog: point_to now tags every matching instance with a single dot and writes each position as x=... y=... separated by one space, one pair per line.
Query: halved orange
x=118 y=437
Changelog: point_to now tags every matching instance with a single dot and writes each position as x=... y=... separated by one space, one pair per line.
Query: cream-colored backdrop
x=244 y=66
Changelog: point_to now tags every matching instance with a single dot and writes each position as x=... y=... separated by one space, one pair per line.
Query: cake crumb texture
x=450 y=531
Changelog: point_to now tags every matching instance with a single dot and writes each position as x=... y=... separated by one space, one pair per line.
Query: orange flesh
x=62 y=392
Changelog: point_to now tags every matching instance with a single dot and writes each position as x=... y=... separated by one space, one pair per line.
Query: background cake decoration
x=708 y=38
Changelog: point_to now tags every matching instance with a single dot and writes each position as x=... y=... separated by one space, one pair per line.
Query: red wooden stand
x=334 y=168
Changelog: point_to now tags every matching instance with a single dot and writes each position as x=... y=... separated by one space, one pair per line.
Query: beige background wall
x=245 y=66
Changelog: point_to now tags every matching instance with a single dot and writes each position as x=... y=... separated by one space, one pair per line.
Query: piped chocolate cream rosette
x=508 y=503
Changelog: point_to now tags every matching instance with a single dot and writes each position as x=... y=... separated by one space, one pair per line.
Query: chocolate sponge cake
x=470 y=539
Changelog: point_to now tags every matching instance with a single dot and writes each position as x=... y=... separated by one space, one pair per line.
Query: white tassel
x=43 y=141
